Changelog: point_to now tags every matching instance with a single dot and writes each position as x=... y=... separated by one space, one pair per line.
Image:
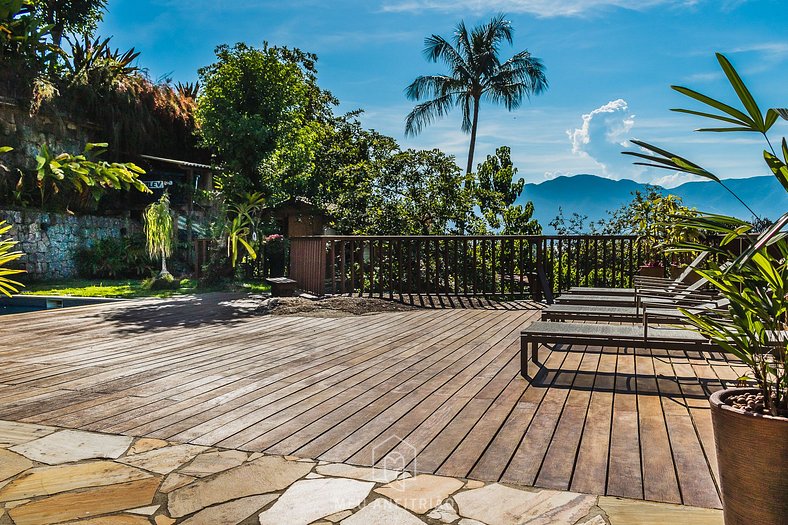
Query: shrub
x=114 y=258
x=162 y=282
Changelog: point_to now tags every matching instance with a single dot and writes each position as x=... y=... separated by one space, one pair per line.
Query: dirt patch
x=334 y=306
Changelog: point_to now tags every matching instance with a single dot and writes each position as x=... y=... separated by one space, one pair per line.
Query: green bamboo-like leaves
x=753 y=120
x=666 y=160
x=778 y=166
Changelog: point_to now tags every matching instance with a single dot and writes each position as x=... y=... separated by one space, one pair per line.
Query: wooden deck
x=438 y=386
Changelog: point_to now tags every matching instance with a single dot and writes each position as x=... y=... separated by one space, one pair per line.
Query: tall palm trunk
x=474 y=125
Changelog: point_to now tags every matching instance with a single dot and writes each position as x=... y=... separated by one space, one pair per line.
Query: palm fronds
x=7 y=255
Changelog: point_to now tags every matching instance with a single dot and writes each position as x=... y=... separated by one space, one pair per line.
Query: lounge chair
x=658 y=311
x=644 y=282
x=675 y=292
x=633 y=336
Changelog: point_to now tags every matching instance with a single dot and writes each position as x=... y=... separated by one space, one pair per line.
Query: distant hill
x=593 y=196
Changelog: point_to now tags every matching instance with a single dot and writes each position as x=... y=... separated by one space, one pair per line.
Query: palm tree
x=159 y=231
x=476 y=73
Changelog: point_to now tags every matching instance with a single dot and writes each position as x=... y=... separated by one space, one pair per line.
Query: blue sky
x=609 y=64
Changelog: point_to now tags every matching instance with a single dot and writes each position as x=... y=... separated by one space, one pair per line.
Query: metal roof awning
x=182 y=163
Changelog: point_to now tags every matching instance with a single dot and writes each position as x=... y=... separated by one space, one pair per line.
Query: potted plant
x=750 y=424
x=657 y=220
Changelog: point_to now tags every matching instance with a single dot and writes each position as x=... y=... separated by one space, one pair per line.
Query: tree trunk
x=164 y=272
x=474 y=125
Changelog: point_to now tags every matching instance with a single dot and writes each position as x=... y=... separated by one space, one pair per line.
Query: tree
x=70 y=16
x=476 y=73
x=159 y=231
x=262 y=113
x=497 y=192
x=420 y=193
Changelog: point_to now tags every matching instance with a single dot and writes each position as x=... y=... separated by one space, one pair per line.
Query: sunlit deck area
x=439 y=386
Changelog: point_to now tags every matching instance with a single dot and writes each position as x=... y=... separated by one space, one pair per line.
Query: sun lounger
x=635 y=336
x=644 y=282
x=657 y=312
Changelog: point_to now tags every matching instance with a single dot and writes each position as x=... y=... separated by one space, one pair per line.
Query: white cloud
x=603 y=134
x=542 y=8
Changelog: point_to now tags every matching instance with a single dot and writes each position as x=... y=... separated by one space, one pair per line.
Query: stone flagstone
x=507 y=506
x=66 y=446
x=267 y=474
x=444 y=513
x=382 y=512
x=420 y=493
x=122 y=519
x=163 y=460
x=13 y=433
x=44 y=481
x=86 y=504
x=175 y=481
x=146 y=444
x=12 y=464
x=622 y=511
x=309 y=500
x=230 y=513
x=145 y=511
x=340 y=470
x=213 y=462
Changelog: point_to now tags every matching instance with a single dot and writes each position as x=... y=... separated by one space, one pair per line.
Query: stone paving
x=50 y=475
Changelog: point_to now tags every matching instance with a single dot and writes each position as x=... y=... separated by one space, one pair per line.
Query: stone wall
x=50 y=240
x=26 y=135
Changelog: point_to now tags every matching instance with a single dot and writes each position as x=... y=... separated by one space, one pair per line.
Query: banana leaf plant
x=84 y=174
x=755 y=282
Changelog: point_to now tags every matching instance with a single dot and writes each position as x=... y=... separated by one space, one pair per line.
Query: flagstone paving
x=60 y=476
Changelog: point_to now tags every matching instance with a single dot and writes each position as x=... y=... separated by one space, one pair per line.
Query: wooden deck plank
x=624 y=472
x=445 y=378
x=590 y=474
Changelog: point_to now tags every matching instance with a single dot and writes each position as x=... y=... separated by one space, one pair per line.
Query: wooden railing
x=499 y=265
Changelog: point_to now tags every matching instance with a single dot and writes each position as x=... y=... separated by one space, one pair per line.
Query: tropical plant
x=158 y=225
x=476 y=73
x=7 y=255
x=754 y=280
x=93 y=62
x=659 y=221
x=188 y=89
x=24 y=36
x=242 y=231
x=84 y=174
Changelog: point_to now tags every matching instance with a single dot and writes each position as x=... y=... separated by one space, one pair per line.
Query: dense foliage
x=115 y=258
x=496 y=193
x=87 y=81
x=262 y=113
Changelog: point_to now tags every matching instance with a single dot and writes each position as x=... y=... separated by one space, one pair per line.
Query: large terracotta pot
x=752 y=455
x=652 y=271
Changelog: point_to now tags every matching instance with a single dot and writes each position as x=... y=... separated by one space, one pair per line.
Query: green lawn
x=128 y=289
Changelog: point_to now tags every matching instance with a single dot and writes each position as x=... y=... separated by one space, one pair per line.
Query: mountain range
x=594 y=196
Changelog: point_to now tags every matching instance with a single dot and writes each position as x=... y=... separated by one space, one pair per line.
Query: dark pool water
x=5 y=309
